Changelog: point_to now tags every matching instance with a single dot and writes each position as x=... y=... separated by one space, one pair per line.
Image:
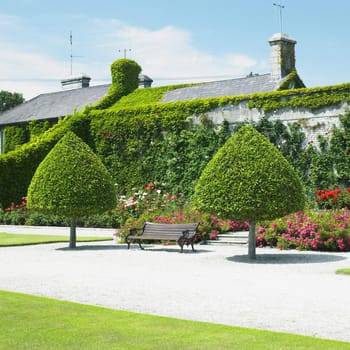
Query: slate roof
x=53 y=105
x=232 y=87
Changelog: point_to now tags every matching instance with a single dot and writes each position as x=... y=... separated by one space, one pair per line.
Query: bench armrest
x=186 y=233
x=134 y=230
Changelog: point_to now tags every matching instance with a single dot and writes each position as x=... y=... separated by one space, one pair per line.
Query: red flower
x=149 y=186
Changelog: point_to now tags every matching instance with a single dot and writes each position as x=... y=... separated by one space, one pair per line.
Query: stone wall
x=313 y=123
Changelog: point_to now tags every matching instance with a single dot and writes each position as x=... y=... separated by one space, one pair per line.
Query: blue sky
x=174 y=41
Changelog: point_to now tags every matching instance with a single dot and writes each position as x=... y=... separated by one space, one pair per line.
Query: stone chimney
x=282 y=55
x=76 y=82
x=145 y=81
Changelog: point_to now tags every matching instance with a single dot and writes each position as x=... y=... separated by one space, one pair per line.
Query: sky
x=174 y=41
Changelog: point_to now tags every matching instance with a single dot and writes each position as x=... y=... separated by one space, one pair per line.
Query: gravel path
x=288 y=291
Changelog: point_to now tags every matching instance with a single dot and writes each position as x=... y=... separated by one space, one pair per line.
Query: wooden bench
x=180 y=233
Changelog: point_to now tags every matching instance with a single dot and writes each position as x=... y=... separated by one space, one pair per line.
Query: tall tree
x=9 y=100
x=249 y=180
x=71 y=181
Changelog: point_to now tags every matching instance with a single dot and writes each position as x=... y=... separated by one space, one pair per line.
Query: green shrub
x=249 y=180
x=71 y=181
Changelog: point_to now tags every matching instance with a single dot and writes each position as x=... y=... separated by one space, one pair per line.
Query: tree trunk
x=251 y=241
x=73 y=233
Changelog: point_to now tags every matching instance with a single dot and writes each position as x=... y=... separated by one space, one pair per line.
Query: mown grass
x=13 y=239
x=29 y=322
x=345 y=271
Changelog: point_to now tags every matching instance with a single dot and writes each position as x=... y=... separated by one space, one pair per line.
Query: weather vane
x=280 y=10
x=124 y=50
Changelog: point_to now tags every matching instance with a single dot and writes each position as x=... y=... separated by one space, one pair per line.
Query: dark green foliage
x=249 y=180
x=340 y=151
x=37 y=128
x=17 y=167
x=71 y=181
x=330 y=167
x=15 y=136
x=9 y=100
x=125 y=79
x=158 y=145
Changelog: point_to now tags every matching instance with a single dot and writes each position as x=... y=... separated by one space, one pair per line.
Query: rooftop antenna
x=71 y=52
x=280 y=10
x=124 y=50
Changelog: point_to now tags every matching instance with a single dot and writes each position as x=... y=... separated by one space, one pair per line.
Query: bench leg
x=192 y=247
x=138 y=241
x=181 y=243
x=141 y=245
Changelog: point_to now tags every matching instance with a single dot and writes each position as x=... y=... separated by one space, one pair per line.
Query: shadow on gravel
x=136 y=248
x=169 y=250
x=94 y=247
x=302 y=258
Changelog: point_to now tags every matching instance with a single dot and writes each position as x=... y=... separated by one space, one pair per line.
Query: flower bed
x=154 y=205
x=325 y=230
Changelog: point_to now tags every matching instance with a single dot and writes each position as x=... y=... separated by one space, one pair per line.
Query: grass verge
x=29 y=322
x=13 y=239
x=343 y=271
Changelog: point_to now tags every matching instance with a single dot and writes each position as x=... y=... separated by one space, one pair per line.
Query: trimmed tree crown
x=249 y=180
x=71 y=181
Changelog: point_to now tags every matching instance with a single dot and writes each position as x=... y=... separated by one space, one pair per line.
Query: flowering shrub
x=326 y=230
x=333 y=199
x=16 y=214
x=151 y=204
x=19 y=214
x=150 y=199
x=209 y=228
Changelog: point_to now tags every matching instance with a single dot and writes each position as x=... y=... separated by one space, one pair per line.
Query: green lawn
x=12 y=239
x=28 y=322
x=343 y=271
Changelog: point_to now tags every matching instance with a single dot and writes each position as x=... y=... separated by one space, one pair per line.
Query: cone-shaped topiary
x=71 y=181
x=249 y=180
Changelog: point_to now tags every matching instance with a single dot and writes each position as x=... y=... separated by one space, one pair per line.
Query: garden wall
x=314 y=123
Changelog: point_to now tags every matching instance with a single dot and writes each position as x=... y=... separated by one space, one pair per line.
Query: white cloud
x=168 y=55
x=170 y=52
x=30 y=73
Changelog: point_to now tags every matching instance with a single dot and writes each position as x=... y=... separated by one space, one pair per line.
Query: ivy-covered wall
x=17 y=135
x=141 y=139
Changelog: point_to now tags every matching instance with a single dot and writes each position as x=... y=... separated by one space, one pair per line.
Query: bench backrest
x=153 y=228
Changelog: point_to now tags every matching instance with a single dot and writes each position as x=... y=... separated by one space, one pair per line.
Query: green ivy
x=141 y=139
x=37 y=128
x=125 y=79
x=15 y=136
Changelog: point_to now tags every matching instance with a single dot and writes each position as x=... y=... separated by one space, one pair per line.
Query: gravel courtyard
x=288 y=291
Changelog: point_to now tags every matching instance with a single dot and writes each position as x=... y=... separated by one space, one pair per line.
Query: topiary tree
x=249 y=180
x=71 y=181
x=125 y=79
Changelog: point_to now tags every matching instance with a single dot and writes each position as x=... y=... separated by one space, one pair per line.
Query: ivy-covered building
x=76 y=93
x=168 y=134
